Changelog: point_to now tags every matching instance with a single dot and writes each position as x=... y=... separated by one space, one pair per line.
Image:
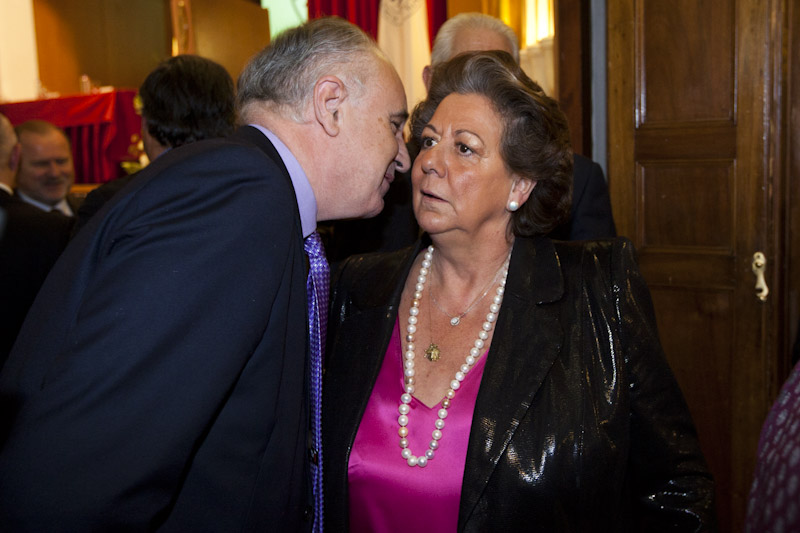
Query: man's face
x=374 y=143
x=45 y=172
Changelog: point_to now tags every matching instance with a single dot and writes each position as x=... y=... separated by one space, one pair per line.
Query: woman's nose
x=431 y=160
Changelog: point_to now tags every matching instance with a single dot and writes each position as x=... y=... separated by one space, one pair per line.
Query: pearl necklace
x=456 y=320
x=408 y=363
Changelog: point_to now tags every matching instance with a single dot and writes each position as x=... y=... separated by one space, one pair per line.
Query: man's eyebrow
x=399 y=115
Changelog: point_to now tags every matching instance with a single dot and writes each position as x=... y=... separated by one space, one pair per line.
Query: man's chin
x=374 y=212
x=53 y=196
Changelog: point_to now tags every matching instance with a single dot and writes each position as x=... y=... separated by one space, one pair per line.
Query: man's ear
x=427 y=72
x=329 y=94
x=13 y=160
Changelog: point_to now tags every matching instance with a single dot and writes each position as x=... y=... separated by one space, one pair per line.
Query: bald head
x=9 y=152
x=470 y=32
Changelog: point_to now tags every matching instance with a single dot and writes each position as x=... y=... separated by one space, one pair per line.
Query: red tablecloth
x=102 y=128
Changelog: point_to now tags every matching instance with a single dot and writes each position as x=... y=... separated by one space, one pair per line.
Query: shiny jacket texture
x=579 y=424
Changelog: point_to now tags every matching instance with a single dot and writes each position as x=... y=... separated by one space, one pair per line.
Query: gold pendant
x=432 y=353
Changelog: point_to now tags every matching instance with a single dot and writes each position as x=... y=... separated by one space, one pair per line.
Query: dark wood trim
x=572 y=49
x=791 y=241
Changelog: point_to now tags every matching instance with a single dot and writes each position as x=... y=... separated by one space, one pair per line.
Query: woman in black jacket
x=491 y=379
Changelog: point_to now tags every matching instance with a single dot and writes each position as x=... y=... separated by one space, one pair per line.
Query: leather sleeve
x=673 y=489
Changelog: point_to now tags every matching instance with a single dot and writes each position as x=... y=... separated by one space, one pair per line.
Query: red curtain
x=101 y=128
x=437 y=14
x=364 y=13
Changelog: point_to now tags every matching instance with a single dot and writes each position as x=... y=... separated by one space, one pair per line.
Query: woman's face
x=461 y=183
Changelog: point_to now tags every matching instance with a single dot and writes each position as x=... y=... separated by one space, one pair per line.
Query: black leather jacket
x=579 y=424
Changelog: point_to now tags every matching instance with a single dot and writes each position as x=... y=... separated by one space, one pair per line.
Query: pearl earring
x=513 y=205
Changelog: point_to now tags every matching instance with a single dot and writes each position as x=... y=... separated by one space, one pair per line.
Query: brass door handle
x=759 y=266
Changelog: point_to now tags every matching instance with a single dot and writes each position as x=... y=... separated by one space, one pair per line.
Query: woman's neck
x=460 y=269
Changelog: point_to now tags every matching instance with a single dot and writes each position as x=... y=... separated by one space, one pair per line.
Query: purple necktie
x=317 y=293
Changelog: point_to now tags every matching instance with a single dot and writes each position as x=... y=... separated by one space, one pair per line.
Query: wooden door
x=696 y=174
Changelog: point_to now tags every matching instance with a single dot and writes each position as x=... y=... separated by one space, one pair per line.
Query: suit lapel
x=526 y=342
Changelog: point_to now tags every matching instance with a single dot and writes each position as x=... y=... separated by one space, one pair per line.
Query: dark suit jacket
x=395 y=227
x=30 y=242
x=590 y=217
x=579 y=424
x=73 y=201
x=159 y=380
x=96 y=198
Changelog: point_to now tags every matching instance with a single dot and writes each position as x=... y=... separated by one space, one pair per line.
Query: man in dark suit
x=46 y=171
x=186 y=98
x=161 y=378
x=30 y=242
x=395 y=228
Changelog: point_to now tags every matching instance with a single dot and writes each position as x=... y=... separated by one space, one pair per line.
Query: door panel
x=700 y=37
x=695 y=108
x=688 y=193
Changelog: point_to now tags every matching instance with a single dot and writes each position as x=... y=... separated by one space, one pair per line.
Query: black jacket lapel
x=526 y=342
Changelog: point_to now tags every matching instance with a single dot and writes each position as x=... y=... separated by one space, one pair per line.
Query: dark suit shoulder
x=20 y=217
x=591 y=216
x=582 y=166
x=206 y=172
x=222 y=152
x=97 y=198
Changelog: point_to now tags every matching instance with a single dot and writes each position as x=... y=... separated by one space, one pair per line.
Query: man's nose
x=55 y=168
x=403 y=160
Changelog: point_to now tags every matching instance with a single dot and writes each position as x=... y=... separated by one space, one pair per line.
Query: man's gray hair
x=443 y=44
x=284 y=73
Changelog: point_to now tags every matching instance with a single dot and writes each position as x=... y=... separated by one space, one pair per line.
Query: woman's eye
x=464 y=149
x=427 y=142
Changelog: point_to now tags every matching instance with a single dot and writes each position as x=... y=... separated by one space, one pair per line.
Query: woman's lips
x=430 y=195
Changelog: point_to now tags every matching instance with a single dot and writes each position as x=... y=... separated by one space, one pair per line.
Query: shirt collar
x=306 y=201
x=62 y=206
x=6 y=188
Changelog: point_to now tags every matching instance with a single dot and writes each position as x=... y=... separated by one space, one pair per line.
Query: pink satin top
x=385 y=493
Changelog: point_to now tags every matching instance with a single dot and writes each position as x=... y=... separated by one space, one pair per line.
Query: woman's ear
x=329 y=94
x=521 y=189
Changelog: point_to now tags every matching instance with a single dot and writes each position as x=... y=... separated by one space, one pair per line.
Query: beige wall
x=19 y=69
